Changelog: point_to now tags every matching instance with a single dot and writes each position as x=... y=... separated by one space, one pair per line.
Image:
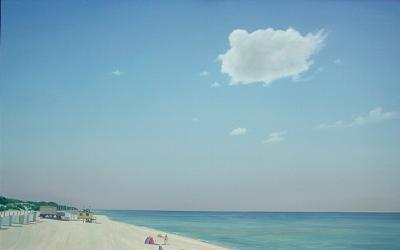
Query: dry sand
x=105 y=234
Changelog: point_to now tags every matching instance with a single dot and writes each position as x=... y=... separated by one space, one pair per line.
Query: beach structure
x=48 y=211
x=10 y=221
x=86 y=216
x=7 y=218
x=3 y=219
x=21 y=218
x=51 y=212
x=34 y=217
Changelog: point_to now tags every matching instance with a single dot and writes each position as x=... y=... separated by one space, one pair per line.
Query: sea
x=274 y=230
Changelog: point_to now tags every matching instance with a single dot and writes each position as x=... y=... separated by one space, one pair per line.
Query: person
x=166 y=239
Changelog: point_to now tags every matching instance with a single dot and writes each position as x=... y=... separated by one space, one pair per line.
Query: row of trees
x=14 y=204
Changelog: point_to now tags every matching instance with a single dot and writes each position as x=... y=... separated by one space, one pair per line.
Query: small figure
x=166 y=239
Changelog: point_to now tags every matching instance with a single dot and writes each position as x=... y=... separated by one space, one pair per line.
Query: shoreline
x=104 y=234
x=214 y=244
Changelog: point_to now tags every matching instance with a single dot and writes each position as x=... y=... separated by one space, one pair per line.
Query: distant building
x=86 y=215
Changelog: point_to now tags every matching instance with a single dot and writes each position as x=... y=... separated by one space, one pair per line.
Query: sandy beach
x=105 y=234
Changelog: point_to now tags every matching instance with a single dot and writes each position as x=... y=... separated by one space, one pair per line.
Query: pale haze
x=202 y=105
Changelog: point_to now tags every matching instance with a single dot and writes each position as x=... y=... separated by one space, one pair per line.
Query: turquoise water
x=274 y=230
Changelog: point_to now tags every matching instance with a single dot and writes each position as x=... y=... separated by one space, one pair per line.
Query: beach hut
x=86 y=216
x=149 y=240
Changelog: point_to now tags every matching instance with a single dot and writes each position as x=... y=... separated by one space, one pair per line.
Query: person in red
x=151 y=241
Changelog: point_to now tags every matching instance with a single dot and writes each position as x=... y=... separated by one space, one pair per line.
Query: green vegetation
x=14 y=204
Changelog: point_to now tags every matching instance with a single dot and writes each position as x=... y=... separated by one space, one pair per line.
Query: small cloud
x=338 y=61
x=267 y=55
x=275 y=137
x=117 y=72
x=238 y=131
x=375 y=115
x=320 y=69
x=204 y=73
x=195 y=119
x=215 y=85
x=336 y=124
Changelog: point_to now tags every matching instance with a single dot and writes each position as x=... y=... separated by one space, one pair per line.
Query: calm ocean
x=274 y=230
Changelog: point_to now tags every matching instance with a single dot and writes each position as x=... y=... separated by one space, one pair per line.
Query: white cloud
x=238 y=131
x=268 y=55
x=117 y=72
x=215 y=85
x=375 y=115
x=338 y=61
x=204 y=73
x=275 y=137
x=195 y=119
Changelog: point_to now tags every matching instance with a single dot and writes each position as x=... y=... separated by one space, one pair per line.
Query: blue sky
x=112 y=105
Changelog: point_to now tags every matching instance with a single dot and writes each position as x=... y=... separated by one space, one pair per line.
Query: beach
x=104 y=234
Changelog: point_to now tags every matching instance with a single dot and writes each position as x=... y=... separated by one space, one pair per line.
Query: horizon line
x=242 y=211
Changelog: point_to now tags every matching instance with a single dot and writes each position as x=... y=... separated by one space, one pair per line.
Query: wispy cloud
x=375 y=115
x=336 y=124
x=238 y=131
x=117 y=72
x=338 y=61
x=195 y=119
x=299 y=78
x=302 y=78
x=275 y=137
x=252 y=57
x=215 y=85
x=204 y=73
